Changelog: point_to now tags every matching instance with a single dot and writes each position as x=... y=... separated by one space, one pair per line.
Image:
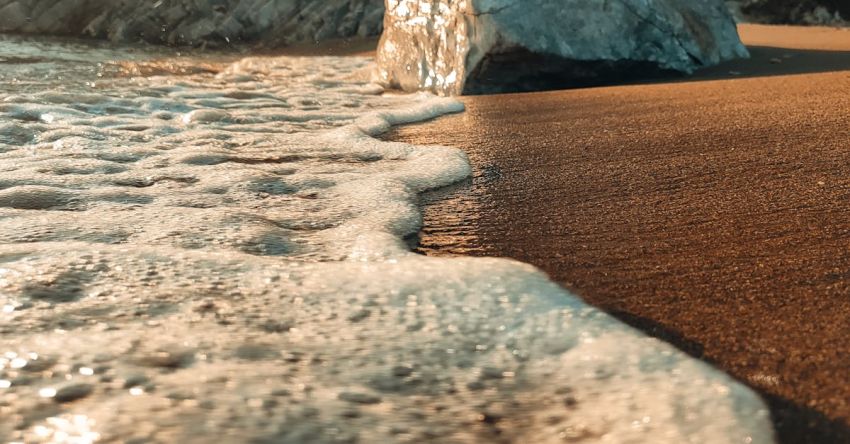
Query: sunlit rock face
x=478 y=46
x=196 y=22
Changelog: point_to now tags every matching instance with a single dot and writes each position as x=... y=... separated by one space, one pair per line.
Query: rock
x=255 y=352
x=173 y=357
x=806 y=12
x=475 y=385
x=40 y=364
x=359 y=398
x=135 y=380
x=359 y=315
x=12 y=14
x=481 y=46
x=489 y=417
x=275 y=326
x=491 y=373
x=73 y=392
x=196 y=22
x=402 y=371
x=281 y=392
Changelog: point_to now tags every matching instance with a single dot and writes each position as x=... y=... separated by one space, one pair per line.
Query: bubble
x=205 y=116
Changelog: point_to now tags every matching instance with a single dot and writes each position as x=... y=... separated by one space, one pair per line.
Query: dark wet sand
x=713 y=213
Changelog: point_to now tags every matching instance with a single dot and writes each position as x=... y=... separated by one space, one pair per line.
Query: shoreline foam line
x=751 y=407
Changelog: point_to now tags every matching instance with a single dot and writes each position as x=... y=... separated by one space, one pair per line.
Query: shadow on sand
x=764 y=61
x=521 y=73
x=769 y=61
x=794 y=423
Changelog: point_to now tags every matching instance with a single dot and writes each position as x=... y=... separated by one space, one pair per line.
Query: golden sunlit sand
x=710 y=211
x=796 y=37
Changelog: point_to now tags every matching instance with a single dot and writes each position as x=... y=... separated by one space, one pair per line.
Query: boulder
x=196 y=22
x=799 y=12
x=480 y=46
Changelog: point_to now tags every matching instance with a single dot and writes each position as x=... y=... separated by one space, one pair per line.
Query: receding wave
x=218 y=256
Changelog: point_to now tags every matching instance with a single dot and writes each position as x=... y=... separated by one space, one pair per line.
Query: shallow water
x=195 y=250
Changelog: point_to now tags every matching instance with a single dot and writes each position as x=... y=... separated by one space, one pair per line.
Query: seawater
x=211 y=249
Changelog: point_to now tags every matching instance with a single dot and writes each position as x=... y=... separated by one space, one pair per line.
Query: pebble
x=255 y=352
x=281 y=392
x=350 y=414
x=402 y=371
x=272 y=326
x=292 y=357
x=73 y=392
x=359 y=315
x=489 y=417
x=180 y=395
x=359 y=398
x=39 y=365
x=475 y=385
x=168 y=358
x=135 y=381
x=491 y=373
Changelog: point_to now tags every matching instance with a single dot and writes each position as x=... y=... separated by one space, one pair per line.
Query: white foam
x=225 y=253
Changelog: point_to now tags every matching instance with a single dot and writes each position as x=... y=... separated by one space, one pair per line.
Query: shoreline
x=669 y=206
x=245 y=229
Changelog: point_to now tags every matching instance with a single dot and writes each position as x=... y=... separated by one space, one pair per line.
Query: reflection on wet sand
x=709 y=212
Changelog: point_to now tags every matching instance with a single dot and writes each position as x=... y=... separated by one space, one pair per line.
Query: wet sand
x=712 y=212
x=356 y=46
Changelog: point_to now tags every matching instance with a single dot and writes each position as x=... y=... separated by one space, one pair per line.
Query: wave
x=221 y=257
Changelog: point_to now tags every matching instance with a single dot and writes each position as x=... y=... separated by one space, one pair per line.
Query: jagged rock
x=479 y=46
x=196 y=22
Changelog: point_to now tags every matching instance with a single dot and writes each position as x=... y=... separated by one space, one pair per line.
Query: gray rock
x=805 y=12
x=478 y=46
x=359 y=315
x=13 y=15
x=135 y=380
x=255 y=352
x=73 y=392
x=196 y=22
x=359 y=398
x=402 y=371
x=172 y=356
x=491 y=373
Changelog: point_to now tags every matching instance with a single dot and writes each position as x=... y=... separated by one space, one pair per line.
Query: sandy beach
x=211 y=247
x=709 y=211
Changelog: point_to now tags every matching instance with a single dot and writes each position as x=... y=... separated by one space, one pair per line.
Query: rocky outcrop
x=478 y=46
x=802 y=12
x=196 y=22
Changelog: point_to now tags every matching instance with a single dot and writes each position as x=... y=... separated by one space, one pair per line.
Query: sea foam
x=221 y=258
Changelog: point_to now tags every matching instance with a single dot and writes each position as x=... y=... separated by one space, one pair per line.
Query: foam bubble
x=205 y=115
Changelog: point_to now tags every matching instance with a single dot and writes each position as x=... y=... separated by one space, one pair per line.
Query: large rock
x=196 y=22
x=804 y=12
x=478 y=46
